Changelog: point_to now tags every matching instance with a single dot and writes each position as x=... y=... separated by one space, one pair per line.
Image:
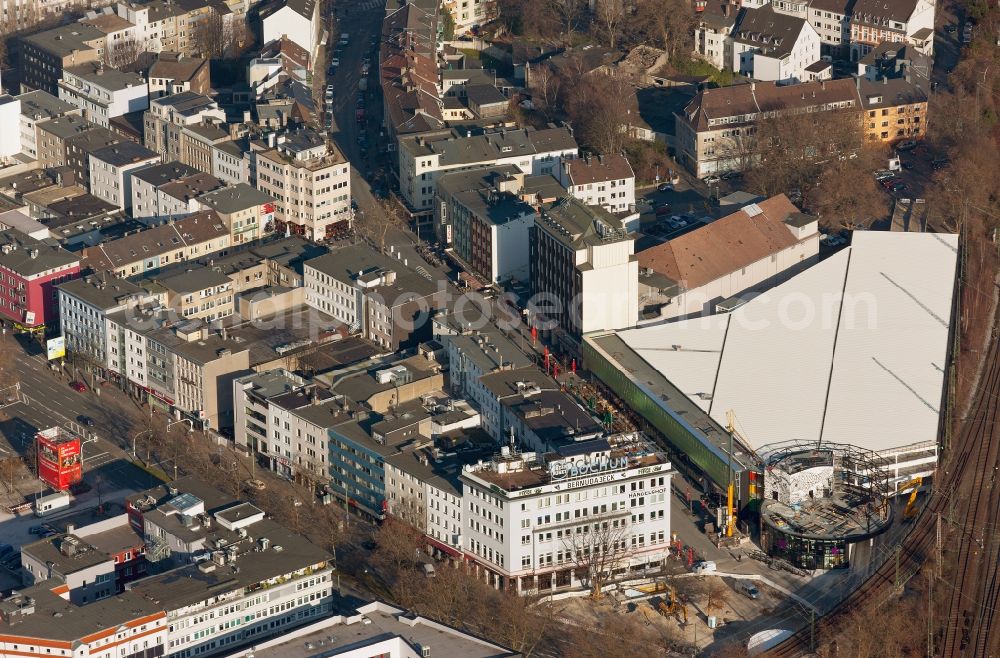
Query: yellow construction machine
x=674 y=608
x=911 y=509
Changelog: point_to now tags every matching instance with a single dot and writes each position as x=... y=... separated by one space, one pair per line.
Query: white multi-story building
x=39 y=106
x=583 y=258
x=606 y=181
x=310 y=180
x=230 y=163
x=770 y=46
x=242 y=576
x=111 y=170
x=284 y=419
x=529 y=520
x=296 y=20
x=424 y=157
x=103 y=93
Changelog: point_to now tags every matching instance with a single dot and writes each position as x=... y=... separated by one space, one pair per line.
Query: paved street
x=49 y=401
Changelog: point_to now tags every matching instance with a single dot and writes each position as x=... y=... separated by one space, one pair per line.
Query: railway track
x=970 y=616
x=970 y=477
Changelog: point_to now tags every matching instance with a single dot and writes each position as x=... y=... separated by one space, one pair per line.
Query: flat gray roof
x=340 y=635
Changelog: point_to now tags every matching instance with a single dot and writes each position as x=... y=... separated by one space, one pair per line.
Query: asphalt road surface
x=48 y=401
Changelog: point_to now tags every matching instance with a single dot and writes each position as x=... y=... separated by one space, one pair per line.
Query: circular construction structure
x=820 y=501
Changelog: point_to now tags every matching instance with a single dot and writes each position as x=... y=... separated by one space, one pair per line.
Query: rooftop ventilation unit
x=753 y=210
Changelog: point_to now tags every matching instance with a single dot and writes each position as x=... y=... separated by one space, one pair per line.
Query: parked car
x=79 y=387
x=731 y=175
x=705 y=566
x=907 y=145
x=5 y=549
x=712 y=180
x=84 y=420
x=748 y=590
x=940 y=163
x=899 y=187
x=663 y=210
x=665 y=187
x=335 y=62
x=345 y=38
x=36 y=530
x=950 y=28
x=883 y=174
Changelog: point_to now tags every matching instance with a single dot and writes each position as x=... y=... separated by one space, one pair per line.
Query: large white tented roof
x=852 y=350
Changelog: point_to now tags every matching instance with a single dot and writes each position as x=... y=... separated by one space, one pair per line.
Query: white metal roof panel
x=776 y=361
x=691 y=367
x=852 y=350
x=892 y=344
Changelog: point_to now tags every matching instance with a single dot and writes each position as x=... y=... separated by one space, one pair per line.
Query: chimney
x=885 y=79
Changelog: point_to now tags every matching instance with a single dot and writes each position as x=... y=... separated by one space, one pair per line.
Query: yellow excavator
x=675 y=608
x=911 y=509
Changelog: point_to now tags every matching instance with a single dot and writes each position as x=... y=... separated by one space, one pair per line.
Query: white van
x=429 y=570
x=748 y=589
x=705 y=566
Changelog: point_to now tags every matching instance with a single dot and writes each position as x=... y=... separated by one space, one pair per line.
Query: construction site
x=821 y=501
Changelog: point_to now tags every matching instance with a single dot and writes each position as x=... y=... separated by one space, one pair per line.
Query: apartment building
x=770 y=46
x=194 y=294
x=125 y=332
x=240 y=577
x=425 y=157
x=103 y=93
x=30 y=270
x=714 y=128
x=530 y=519
x=749 y=251
x=375 y=296
x=146 y=184
x=156 y=23
x=38 y=106
x=712 y=29
x=166 y=118
x=231 y=162
x=284 y=419
x=198 y=144
x=45 y=55
x=68 y=141
x=895 y=109
x=247 y=212
x=605 y=181
x=583 y=259
x=85 y=304
x=874 y=22
x=180 y=198
x=297 y=20
x=479 y=213
x=310 y=181
x=111 y=170
x=469 y=14
x=192 y=237
x=173 y=73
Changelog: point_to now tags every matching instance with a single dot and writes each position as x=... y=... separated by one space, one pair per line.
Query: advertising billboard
x=59 y=458
x=55 y=348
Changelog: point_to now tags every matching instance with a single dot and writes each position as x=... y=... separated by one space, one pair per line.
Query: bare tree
x=545 y=91
x=375 y=225
x=10 y=469
x=123 y=55
x=598 y=106
x=611 y=14
x=570 y=12
x=598 y=549
x=210 y=36
x=397 y=545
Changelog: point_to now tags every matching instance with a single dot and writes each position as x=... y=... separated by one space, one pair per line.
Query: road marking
x=97 y=456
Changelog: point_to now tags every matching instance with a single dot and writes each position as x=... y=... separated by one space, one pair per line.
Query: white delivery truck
x=48 y=504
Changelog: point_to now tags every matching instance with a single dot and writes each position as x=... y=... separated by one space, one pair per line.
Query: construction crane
x=910 y=511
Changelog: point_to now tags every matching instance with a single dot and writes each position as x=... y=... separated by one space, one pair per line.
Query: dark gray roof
x=62 y=41
x=124 y=153
x=235 y=198
x=102 y=290
x=193 y=280
x=41 y=105
x=165 y=172
x=27 y=256
x=768 y=31
x=348 y=263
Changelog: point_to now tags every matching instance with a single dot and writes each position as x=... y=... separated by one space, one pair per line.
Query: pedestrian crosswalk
x=372 y=4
